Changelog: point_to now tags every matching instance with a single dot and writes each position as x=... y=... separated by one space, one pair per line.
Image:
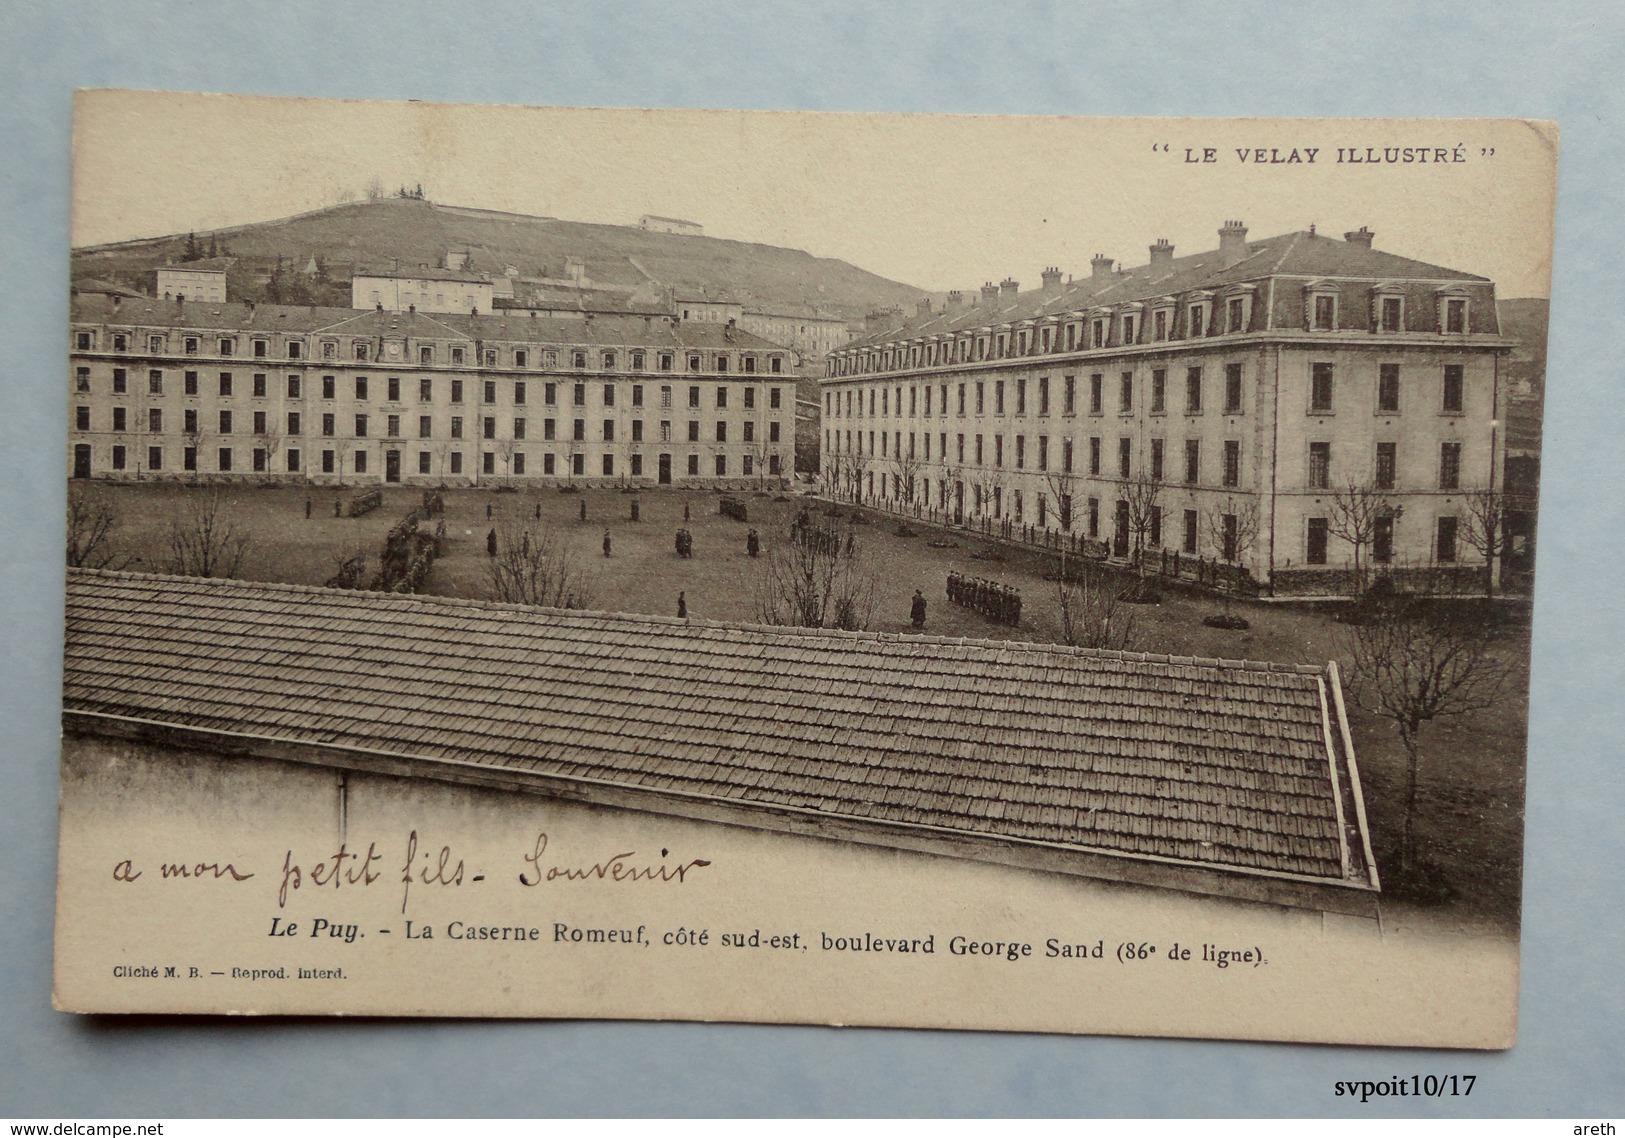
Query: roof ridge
x=872 y=636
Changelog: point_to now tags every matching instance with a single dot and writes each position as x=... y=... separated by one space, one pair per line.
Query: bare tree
x=442 y=451
x=507 y=448
x=857 y=465
x=760 y=452
x=1484 y=528
x=1063 y=485
x=1232 y=527
x=1093 y=615
x=1353 y=516
x=207 y=540
x=835 y=470
x=271 y=442
x=1417 y=661
x=91 y=525
x=909 y=467
x=813 y=585
x=195 y=438
x=1142 y=495
x=375 y=189
x=535 y=566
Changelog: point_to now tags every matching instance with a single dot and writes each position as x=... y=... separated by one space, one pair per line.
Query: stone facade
x=230 y=392
x=1236 y=404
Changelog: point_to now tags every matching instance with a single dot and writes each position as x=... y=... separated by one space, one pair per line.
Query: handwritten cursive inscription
x=616 y=868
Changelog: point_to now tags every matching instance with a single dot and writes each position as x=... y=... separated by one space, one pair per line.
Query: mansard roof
x=505 y=326
x=1234 y=768
x=1300 y=254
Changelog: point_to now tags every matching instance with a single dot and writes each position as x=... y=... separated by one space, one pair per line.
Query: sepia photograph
x=1009 y=573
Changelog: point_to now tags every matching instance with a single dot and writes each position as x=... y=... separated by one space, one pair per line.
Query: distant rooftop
x=1123 y=764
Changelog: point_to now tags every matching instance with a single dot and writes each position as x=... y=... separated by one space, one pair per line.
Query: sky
x=940 y=202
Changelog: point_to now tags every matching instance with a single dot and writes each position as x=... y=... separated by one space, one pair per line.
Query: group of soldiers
x=825 y=540
x=685 y=543
x=997 y=602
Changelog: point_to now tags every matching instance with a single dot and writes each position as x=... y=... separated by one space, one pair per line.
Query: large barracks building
x=184 y=389
x=1249 y=382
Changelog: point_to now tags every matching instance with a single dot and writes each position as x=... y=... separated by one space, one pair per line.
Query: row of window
x=1012 y=395
x=605 y=359
x=333 y=462
x=1130 y=326
x=1319 y=475
x=1317 y=531
x=260 y=386
x=519 y=426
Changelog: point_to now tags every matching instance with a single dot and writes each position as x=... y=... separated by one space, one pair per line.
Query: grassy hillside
x=1524 y=371
x=415 y=232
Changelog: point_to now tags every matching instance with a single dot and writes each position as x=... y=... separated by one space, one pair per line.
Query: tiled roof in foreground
x=1224 y=765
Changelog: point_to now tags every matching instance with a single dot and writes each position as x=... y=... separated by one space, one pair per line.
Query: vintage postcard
x=1033 y=574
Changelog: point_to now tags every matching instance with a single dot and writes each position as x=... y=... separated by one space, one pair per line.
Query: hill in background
x=623 y=259
x=1524 y=371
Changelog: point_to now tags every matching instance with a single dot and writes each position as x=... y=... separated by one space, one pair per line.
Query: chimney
x=874 y=321
x=411 y=308
x=180 y=300
x=1101 y=266
x=1008 y=288
x=922 y=307
x=1052 y=280
x=117 y=299
x=1162 y=254
x=1232 y=243
x=990 y=292
x=380 y=306
x=955 y=300
x=1361 y=236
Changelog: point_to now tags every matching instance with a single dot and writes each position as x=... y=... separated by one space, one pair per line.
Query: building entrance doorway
x=81 y=460
x=392 y=466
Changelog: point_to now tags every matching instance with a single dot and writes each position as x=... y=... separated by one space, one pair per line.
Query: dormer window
x=1455 y=316
x=490 y=357
x=361 y=350
x=227 y=345
x=1129 y=328
x=1236 y=315
x=155 y=344
x=521 y=358
x=1097 y=332
x=1323 y=317
x=296 y=349
x=1196 y=320
x=190 y=344
x=1387 y=309
x=425 y=354
x=1452 y=312
x=330 y=349
x=121 y=342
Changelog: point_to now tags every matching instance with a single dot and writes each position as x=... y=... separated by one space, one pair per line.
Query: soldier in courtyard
x=682 y=604
x=309 y=505
x=606 y=543
x=491 y=543
x=916 y=612
x=753 y=543
x=583 y=509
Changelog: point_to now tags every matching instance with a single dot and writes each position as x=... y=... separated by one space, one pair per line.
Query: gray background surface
x=1558 y=61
